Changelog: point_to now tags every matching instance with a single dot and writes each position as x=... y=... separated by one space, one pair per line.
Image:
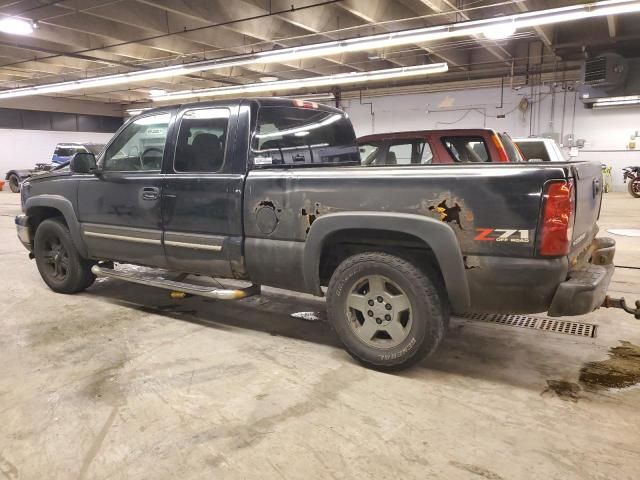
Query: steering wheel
x=146 y=163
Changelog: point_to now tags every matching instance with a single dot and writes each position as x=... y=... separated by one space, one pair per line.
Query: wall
x=607 y=132
x=25 y=148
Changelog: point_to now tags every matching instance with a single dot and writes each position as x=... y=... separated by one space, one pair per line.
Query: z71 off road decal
x=502 y=235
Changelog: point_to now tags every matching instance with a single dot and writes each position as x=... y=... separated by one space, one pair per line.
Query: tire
x=634 y=188
x=14 y=183
x=58 y=261
x=413 y=310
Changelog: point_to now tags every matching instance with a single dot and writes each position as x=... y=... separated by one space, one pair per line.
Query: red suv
x=438 y=146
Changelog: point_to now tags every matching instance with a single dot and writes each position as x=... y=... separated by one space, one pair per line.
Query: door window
x=410 y=152
x=399 y=154
x=140 y=146
x=201 y=140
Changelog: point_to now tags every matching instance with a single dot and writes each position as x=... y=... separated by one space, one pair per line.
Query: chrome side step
x=203 y=291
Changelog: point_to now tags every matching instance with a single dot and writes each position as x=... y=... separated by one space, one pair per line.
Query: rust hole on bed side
x=310 y=217
x=448 y=214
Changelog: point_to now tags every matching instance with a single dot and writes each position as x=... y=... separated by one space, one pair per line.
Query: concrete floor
x=122 y=382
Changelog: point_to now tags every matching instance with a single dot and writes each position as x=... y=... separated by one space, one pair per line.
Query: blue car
x=64 y=152
x=61 y=156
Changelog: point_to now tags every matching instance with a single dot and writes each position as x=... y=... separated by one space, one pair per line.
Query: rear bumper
x=586 y=287
x=24 y=231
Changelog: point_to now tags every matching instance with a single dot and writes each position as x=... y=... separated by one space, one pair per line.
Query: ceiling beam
x=545 y=33
x=451 y=13
x=268 y=29
x=377 y=11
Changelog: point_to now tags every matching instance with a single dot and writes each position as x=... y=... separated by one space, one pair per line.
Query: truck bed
x=493 y=209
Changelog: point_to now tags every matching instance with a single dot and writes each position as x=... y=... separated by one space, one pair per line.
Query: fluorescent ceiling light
x=371 y=42
x=268 y=78
x=617 y=101
x=137 y=111
x=313 y=96
x=338 y=79
x=154 y=92
x=499 y=31
x=16 y=26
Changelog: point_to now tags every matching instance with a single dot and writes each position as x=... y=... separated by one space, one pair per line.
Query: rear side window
x=512 y=150
x=467 y=149
x=201 y=140
x=303 y=136
x=534 y=151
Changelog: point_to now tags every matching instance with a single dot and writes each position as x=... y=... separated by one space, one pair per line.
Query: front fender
x=65 y=207
x=438 y=236
x=22 y=174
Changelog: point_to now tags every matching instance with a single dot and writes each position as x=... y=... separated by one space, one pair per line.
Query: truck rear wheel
x=387 y=312
x=58 y=261
x=14 y=183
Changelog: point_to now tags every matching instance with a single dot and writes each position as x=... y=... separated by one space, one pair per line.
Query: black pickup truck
x=271 y=191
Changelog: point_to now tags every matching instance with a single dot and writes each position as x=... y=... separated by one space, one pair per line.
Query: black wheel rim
x=13 y=182
x=55 y=258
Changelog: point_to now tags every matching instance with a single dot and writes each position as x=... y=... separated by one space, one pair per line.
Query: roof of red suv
x=422 y=133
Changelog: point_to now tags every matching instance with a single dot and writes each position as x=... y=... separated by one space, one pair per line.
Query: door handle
x=150 y=193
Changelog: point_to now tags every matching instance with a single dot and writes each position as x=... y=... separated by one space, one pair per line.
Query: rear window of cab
x=289 y=136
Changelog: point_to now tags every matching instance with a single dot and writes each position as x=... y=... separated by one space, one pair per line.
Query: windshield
x=303 y=136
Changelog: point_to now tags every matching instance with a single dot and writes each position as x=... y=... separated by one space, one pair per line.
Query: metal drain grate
x=547 y=324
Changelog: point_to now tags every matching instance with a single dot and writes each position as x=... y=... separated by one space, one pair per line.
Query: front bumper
x=587 y=286
x=24 y=231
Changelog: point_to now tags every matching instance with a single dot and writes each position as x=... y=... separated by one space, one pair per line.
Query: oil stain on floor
x=620 y=370
x=564 y=390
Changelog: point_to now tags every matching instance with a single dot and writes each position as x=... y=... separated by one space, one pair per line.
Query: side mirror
x=83 y=162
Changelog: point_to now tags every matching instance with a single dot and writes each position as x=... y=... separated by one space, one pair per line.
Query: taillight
x=557 y=219
x=500 y=147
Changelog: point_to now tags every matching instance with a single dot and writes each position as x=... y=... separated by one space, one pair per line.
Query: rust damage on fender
x=312 y=211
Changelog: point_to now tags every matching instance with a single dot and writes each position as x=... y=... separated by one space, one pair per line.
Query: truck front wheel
x=59 y=263
x=387 y=312
x=14 y=183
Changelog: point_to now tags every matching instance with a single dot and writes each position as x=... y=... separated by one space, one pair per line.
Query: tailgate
x=587 y=177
